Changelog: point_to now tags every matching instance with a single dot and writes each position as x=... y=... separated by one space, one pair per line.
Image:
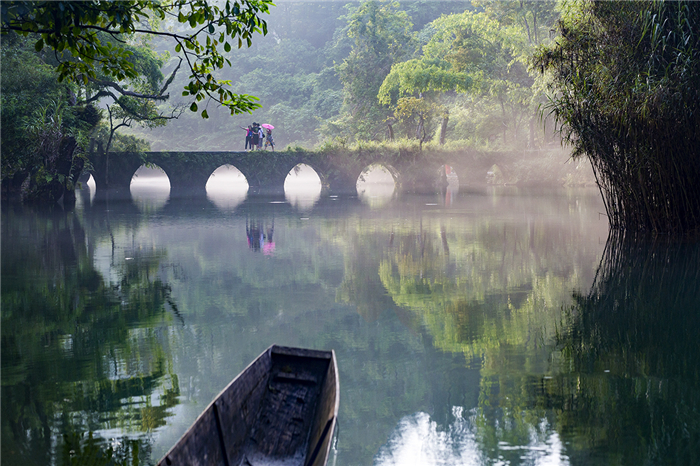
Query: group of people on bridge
x=257 y=134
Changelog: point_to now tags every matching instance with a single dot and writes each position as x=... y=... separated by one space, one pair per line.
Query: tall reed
x=626 y=82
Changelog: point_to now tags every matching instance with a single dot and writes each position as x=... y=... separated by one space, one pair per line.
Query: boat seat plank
x=283 y=424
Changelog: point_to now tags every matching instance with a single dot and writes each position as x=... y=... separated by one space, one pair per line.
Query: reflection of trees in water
x=493 y=293
x=72 y=359
x=489 y=291
x=476 y=293
x=621 y=385
x=641 y=323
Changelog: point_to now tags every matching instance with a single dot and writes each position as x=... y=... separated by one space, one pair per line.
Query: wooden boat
x=281 y=410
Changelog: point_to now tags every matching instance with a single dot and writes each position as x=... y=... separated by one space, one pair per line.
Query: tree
x=53 y=121
x=382 y=36
x=27 y=85
x=494 y=55
x=535 y=17
x=416 y=82
x=72 y=30
x=477 y=54
x=625 y=93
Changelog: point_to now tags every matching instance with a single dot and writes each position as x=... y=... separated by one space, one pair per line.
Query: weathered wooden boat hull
x=281 y=410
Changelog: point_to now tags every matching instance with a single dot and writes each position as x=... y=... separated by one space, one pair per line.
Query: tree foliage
x=27 y=84
x=483 y=55
x=76 y=31
x=381 y=35
x=422 y=75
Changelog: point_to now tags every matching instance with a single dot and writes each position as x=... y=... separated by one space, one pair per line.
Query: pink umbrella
x=266 y=126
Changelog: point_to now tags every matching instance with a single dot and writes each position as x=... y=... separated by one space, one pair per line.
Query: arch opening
x=150 y=188
x=448 y=176
x=302 y=187
x=85 y=193
x=227 y=187
x=448 y=183
x=376 y=185
x=495 y=175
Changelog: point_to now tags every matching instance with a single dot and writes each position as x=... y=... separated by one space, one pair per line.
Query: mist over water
x=150 y=188
x=376 y=186
x=227 y=188
x=302 y=187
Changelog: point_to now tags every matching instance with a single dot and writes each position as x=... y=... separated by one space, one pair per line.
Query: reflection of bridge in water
x=265 y=172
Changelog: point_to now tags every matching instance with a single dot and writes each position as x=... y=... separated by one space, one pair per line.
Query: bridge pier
x=187 y=183
x=114 y=170
x=266 y=187
x=338 y=183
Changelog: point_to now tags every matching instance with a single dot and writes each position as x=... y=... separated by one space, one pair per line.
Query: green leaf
x=39 y=45
x=193 y=107
x=205 y=115
x=227 y=47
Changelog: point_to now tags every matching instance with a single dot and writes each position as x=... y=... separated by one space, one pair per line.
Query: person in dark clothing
x=248 y=136
x=255 y=137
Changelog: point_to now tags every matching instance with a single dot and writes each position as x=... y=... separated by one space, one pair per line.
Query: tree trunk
x=443 y=129
x=504 y=121
x=527 y=26
x=534 y=27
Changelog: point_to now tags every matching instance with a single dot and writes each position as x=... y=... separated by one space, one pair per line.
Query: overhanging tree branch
x=73 y=27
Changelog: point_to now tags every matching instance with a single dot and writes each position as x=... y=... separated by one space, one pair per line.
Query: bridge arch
x=150 y=188
x=227 y=177
x=378 y=183
x=379 y=167
x=303 y=186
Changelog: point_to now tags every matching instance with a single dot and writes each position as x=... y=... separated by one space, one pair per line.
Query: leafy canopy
x=72 y=30
x=421 y=75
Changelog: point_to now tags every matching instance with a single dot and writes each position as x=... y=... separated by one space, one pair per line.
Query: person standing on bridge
x=248 y=136
x=268 y=137
x=261 y=137
x=255 y=137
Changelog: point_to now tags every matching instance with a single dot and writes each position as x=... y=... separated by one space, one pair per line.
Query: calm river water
x=492 y=326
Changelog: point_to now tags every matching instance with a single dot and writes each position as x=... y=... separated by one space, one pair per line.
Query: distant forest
x=451 y=72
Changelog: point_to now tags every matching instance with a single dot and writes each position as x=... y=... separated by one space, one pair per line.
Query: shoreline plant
x=626 y=83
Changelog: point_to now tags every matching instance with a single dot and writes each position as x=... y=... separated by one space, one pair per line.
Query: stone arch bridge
x=413 y=171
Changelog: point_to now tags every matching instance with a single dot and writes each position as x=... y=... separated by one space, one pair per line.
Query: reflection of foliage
x=620 y=382
x=80 y=449
x=492 y=294
x=640 y=322
x=478 y=296
x=68 y=345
